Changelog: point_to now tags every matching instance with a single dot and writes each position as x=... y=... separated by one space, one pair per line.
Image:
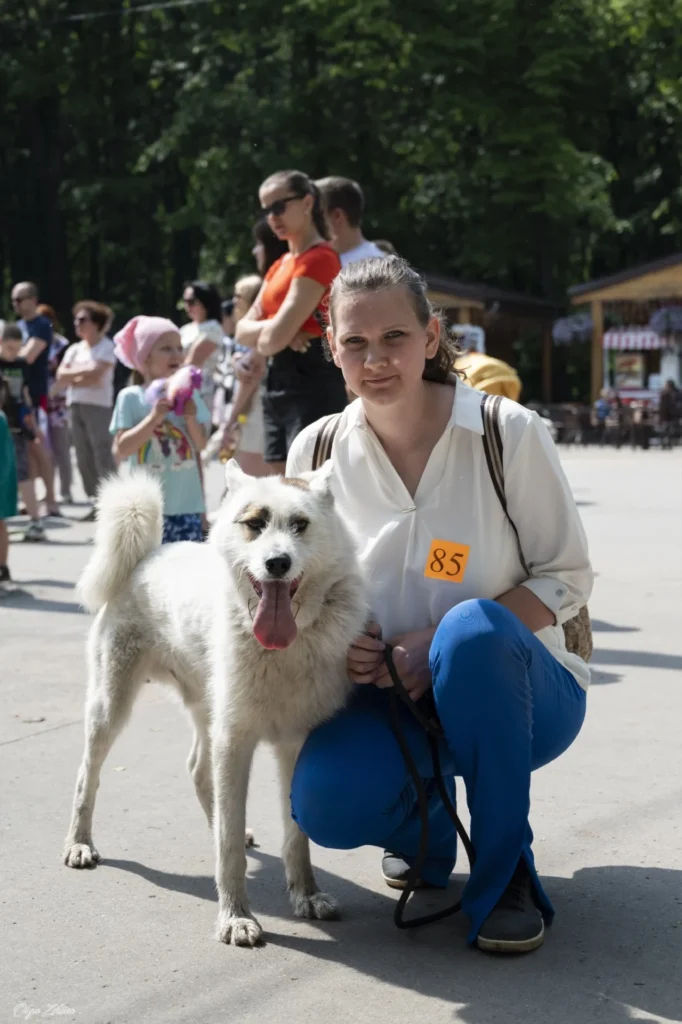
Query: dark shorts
x=183 y=527
x=21 y=456
x=285 y=416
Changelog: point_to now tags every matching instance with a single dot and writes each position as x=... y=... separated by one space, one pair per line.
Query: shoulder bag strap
x=494 y=452
x=325 y=440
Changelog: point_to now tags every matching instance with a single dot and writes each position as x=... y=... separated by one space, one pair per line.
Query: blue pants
x=506 y=706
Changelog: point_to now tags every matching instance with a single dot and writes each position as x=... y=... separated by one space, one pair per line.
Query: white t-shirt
x=365 y=251
x=81 y=355
x=452 y=542
x=210 y=330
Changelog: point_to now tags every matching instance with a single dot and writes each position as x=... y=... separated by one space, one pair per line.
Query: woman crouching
x=450 y=592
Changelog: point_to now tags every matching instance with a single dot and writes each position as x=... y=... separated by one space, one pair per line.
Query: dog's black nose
x=278 y=566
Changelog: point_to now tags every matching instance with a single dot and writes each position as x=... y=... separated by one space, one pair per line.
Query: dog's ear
x=320 y=480
x=235 y=477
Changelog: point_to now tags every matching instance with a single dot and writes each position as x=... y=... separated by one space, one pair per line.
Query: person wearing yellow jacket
x=491 y=375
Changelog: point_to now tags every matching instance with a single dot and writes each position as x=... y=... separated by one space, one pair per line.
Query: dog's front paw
x=80 y=855
x=318 y=906
x=239 y=931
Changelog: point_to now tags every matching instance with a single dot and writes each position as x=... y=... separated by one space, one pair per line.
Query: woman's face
x=379 y=344
x=85 y=327
x=165 y=357
x=288 y=214
x=194 y=309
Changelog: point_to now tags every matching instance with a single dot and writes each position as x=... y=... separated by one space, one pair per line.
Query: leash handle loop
x=434 y=732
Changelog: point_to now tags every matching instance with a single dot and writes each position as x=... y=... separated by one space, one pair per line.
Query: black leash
x=434 y=732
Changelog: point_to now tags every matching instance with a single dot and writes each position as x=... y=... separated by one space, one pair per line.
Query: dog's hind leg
x=114 y=684
x=199 y=761
x=232 y=755
x=306 y=898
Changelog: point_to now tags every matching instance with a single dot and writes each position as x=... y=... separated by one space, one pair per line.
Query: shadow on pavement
x=49 y=522
x=201 y=886
x=639 y=659
x=599 y=678
x=28 y=602
x=609 y=627
x=69 y=543
x=613 y=956
x=61 y=584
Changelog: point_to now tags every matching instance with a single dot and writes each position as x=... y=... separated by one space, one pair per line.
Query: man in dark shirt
x=16 y=404
x=15 y=372
x=37 y=333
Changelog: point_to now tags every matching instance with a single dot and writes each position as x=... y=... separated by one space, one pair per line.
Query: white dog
x=252 y=628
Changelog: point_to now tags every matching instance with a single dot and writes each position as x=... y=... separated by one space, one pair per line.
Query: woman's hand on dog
x=410 y=655
x=366 y=655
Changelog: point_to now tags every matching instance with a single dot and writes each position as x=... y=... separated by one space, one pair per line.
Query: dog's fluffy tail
x=129 y=527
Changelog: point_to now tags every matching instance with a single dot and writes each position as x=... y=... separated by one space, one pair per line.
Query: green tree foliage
x=527 y=144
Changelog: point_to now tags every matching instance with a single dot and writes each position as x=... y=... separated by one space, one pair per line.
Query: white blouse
x=452 y=541
x=209 y=330
x=82 y=355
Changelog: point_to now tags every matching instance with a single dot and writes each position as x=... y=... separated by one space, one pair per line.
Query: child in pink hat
x=151 y=435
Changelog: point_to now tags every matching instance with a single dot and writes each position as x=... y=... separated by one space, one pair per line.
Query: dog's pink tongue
x=274 y=625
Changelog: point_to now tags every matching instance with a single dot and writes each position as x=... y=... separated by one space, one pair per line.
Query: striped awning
x=637 y=339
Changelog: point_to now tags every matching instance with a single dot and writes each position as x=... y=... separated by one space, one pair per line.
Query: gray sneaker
x=395 y=871
x=34 y=532
x=515 y=925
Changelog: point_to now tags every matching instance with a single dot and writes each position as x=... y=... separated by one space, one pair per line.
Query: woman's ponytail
x=318 y=215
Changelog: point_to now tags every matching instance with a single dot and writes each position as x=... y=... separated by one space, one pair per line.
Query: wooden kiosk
x=630 y=296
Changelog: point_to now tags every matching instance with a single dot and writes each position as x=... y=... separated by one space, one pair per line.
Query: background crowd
x=264 y=371
x=617 y=423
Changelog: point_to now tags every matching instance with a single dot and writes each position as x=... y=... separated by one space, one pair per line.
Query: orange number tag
x=447 y=561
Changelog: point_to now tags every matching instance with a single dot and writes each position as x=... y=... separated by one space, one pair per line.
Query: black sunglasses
x=190 y=302
x=277 y=208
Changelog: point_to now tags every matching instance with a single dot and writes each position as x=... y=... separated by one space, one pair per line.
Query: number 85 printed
x=447 y=561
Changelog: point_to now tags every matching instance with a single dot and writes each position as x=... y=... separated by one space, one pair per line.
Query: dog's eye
x=299 y=525
x=257 y=525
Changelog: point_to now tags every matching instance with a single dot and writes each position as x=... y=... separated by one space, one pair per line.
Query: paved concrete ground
x=132 y=941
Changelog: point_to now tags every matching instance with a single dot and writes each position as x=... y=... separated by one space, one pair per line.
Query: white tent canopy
x=634 y=339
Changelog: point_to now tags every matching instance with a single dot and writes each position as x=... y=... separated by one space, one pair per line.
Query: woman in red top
x=287 y=320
